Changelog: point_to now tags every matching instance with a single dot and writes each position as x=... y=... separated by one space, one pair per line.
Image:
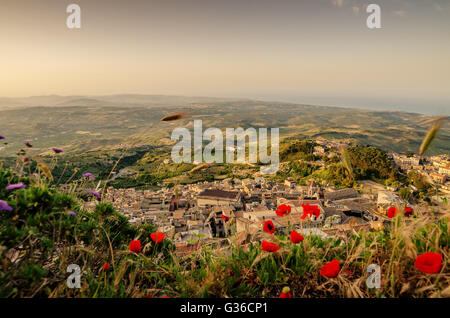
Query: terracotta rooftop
x=218 y=193
x=182 y=249
x=341 y=194
x=178 y=214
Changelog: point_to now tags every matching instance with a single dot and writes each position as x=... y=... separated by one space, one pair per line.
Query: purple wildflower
x=28 y=144
x=72 y=213
x=2 y=137
x=57 y=150
x=88 y=175
x=96 y=194
x=4 y=206
x=19 y=185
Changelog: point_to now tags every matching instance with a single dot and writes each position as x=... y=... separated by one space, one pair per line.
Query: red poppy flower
x=392 y=212
x=429 y=263
x=408 y=211
x=269 y=247
x=286 y=293
x=310 y=210
x=135 y=246
x=283 y=210
x=105 y=266
x=348 y=272
x=225 y=218
x=330 y=269
x=296 y=238
x=157 y=237
x=269 y=227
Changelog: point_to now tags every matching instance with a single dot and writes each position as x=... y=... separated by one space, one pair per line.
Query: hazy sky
x=317 y=51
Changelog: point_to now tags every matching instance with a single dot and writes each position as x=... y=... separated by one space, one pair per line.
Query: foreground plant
x=431 y=134
x=45 y=230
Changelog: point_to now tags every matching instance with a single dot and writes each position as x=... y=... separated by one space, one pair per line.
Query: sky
x=315 y=51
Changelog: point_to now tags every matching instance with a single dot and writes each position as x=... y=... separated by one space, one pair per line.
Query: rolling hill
x=94 y=126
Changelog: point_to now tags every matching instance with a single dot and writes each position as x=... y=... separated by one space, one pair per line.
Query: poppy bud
x=106 y=266
x=286 y=293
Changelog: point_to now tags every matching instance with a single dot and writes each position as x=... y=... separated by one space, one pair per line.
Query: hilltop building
x=214 y=197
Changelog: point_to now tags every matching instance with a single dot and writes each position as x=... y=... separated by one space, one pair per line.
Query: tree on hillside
x=371 y=163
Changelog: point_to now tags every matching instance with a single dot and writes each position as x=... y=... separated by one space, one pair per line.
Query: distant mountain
x=122 y=100
x=85 y=102
x=136 y=100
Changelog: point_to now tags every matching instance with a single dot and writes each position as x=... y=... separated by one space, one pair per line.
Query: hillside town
x=436 y=169
x=220 y=212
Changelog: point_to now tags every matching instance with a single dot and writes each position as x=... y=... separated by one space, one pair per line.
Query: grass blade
x=431 y=134
x=346 y=161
